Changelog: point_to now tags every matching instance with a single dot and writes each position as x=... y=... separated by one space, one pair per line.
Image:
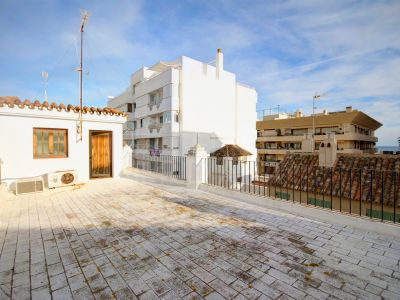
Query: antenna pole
x=85 y=17
x=315 y=98
x=45 y=76
x=81 y=85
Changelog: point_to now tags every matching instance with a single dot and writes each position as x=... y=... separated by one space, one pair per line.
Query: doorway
x=100 y=154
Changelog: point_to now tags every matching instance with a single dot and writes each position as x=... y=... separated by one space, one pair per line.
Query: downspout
x=180 y=108
x=236 y=113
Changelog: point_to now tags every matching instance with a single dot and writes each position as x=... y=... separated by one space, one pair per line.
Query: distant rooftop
x=349 y=115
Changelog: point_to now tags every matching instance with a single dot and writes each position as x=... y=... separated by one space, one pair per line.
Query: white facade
x=16 y=137
x=177 y=105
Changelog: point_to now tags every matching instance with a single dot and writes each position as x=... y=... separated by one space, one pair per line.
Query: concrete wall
x=16 y=138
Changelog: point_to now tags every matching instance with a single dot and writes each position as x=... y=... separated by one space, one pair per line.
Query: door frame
x=90 y=153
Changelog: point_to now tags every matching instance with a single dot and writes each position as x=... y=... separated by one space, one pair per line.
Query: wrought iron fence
x=364 y=192
x=169 y=165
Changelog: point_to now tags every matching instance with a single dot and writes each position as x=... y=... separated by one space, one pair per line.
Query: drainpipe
x=180 y=108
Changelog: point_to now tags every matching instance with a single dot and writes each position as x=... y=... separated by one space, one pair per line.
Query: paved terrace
x=136 y=238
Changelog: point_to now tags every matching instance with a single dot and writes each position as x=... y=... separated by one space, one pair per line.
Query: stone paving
x=128 y=240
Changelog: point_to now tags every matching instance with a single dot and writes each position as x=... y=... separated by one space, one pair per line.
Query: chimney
x=349 y=109
x=219 y=62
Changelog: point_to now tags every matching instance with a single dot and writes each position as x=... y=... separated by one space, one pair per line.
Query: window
x=167 y=117
x=129 y=107
x=161 y=119
x=153 y=99
x=141 y=123
x=50 y=143
x=177 y=117
x=134 y=106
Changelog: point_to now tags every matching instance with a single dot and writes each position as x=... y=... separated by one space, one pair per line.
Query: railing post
x=340 y=189
x=323 y=187
x=370 y=194
x=394 y=196
x=301 y=182
x=361 y=188
x=293 y=184
x=307 y=184
x=315 y=186
x=241 y=177
x=331 y=187
x=351 y=186
x=382 y=179
x=254 y=177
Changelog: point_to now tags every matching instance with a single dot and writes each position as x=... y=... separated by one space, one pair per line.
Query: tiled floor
x=129 y=240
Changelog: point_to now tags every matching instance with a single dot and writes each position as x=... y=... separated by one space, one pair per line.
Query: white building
x=173 y=106
x=39 y=138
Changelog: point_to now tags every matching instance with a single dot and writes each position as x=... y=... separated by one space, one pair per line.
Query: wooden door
x=100 y=154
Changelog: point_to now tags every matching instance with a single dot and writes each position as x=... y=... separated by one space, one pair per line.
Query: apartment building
x=280 y=134
x=171 y=106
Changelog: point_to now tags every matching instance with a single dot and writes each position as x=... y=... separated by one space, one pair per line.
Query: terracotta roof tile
x=230 y=150
x=12 y=101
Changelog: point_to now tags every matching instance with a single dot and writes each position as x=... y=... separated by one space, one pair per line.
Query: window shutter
x=35 y=143
x=51 y=142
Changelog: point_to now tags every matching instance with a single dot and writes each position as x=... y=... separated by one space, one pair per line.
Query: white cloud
x=287 y=49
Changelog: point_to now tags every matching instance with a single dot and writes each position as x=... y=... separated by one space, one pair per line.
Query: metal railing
x=168 y=165
x=363 y=192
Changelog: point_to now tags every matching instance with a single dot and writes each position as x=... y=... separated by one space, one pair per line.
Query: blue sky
x=287 y=50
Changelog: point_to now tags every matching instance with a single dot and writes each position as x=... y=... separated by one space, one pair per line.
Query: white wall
x=220 y=110
x=16 y=142
x=246 y=115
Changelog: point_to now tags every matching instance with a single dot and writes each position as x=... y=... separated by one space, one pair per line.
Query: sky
x=349 y=51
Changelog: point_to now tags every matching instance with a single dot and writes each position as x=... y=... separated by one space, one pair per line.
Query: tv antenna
x=45 y=76
x=316 y=97
x=84 y=19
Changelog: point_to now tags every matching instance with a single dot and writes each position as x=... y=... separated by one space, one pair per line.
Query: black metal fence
x=364 y=192
x=168 y=165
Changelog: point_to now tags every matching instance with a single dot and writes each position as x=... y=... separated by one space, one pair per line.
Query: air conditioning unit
x=62 y=178
x=29 y=185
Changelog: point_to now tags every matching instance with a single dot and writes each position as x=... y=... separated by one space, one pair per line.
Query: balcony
x=149 y=153
x=347 y=136
x=277 y=150
x=155 y=126
x=155 y=103
x=270 y=163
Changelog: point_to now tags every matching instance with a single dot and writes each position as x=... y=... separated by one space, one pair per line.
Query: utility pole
x=315 y=98
x=84 y=19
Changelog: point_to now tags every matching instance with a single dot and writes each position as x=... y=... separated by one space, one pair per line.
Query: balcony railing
x=155 y=152
x=168 y=165
x=155 y=126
